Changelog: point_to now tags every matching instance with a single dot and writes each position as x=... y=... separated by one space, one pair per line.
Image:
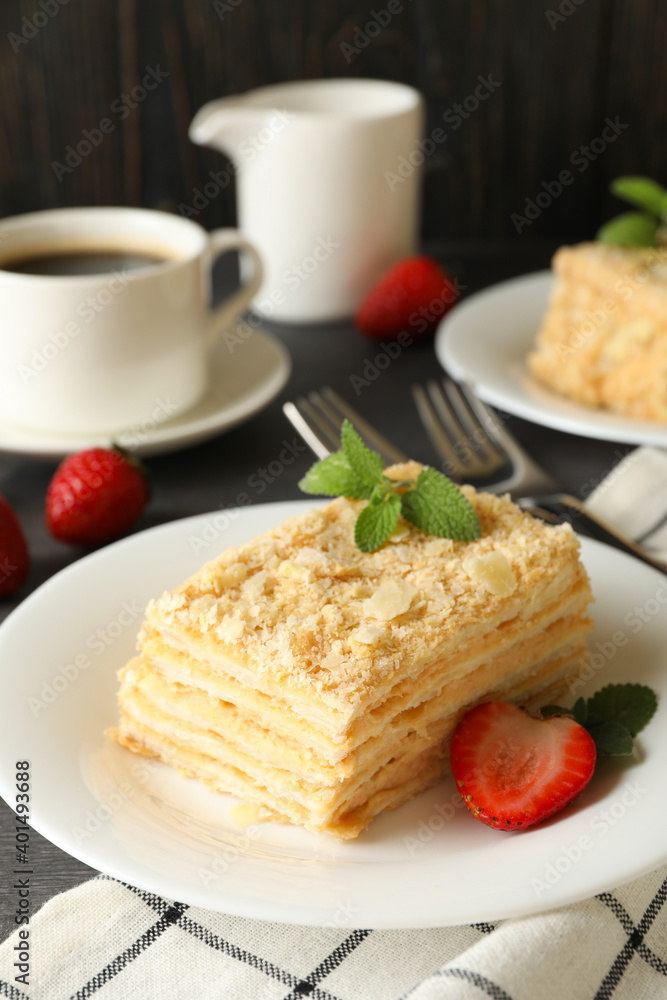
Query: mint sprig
x=613 y=716
x=631 y=229
x=376 y=522
x=643 y=192
x=637 y=229
x=434 y=505
x=432 y=502
x=333 y=477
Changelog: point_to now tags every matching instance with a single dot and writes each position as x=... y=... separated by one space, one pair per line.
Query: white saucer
x=241 y=385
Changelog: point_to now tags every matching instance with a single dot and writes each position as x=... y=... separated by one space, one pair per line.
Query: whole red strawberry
x=14 y=559
x=94 y=496
x=513 y=770
x=410 y=297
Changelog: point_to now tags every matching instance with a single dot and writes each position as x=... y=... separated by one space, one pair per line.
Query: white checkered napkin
x=633 y=496
x=112 y=942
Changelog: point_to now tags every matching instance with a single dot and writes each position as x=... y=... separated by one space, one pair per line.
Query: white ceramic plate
x=485 y=340
x=241 y=384
x=426 y=864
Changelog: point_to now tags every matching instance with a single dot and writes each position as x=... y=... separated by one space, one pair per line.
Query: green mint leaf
x=612 y=739
x=376 y=522
x=632 y=705
x=632 y=229
x=379 y=492
x=640 y=191
x=366 y=464
x=436 y=505
x=549 y=711
x=580 y=711
x=333 y=477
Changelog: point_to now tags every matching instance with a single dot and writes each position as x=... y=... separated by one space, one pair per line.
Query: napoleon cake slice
x=323 y=684
x=603 y=340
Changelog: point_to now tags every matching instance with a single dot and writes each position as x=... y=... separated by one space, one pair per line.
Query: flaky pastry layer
x=323 y=683
x=603 y=339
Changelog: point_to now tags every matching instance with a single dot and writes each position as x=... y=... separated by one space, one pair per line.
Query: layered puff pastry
x=603 y=339
x=322 y=684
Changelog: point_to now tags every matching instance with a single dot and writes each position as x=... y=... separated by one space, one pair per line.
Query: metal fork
x=318 y=420
x=479 y=450
x=476 y=448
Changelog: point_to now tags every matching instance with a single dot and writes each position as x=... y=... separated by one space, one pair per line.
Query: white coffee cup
x=328 y=186
x=96 y=352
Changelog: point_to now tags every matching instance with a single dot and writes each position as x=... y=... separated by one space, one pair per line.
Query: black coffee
x=82 y=262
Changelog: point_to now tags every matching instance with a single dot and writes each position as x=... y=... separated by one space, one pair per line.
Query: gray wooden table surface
x=211 y=475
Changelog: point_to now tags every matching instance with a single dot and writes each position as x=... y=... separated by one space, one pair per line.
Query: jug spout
x=225 y=124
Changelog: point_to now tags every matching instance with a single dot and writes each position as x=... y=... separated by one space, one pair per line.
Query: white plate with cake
x=424 y=863
x=561 y=348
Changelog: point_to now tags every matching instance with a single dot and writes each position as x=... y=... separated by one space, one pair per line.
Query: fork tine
x=447 y=406
x=439 y=439
x=489 y=420
x=528 y=472
x=326 y=425
x=318 y=420
x=479 y=425
x=306 y=422
x=338 y=409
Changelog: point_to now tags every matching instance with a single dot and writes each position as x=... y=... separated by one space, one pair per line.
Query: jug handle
x=223 y=315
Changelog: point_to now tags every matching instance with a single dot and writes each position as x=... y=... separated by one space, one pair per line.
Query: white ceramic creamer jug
x=328 y=186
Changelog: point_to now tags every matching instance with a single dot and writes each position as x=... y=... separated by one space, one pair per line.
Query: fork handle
x=578 y=515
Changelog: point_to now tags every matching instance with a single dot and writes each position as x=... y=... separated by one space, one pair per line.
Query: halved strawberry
x=514 y=770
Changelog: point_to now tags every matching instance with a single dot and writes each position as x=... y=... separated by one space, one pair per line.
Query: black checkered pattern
x=637 y=969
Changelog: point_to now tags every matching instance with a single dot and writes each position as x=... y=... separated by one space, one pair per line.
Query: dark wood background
x=564 y=66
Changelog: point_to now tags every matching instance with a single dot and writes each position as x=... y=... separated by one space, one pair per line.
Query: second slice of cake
x=603 y=340
x=323 y=684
